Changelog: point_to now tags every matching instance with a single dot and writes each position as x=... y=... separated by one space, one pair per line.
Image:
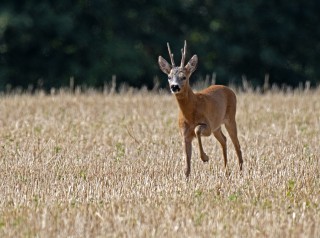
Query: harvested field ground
x=104 y=165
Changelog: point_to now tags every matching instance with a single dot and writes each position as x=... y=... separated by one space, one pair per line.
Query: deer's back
x=220 y=102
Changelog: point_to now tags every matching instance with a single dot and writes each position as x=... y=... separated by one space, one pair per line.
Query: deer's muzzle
x=175 y=88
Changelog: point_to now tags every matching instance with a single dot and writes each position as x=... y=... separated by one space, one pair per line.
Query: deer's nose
x=175 y=88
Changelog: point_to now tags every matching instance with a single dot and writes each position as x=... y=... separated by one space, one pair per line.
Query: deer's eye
x=169 y=78
x=183 y=78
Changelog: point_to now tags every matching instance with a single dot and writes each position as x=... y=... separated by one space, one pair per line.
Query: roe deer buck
x=201 y=113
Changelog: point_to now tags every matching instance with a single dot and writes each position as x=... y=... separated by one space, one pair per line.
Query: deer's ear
x=164 y=65
x=192 y=64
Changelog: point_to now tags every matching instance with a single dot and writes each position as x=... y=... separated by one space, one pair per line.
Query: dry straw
x=94 y=165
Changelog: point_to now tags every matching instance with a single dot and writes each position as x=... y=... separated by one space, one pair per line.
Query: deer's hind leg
x=202 y=130
x=231 y=127
x=223 y=141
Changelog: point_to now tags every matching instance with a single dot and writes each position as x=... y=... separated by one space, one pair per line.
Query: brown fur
x=203 y=113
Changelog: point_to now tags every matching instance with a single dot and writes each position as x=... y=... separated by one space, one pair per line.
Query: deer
x=201 y=113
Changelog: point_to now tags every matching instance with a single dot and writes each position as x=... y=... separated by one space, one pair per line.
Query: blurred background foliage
x=45 y=43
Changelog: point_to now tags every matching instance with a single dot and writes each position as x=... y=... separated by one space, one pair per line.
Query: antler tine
x=183 y=52
x=171 y=55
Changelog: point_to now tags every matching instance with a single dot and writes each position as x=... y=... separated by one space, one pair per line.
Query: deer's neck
x=187 y=103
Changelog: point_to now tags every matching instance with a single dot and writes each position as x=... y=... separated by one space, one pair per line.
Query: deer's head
x=178 y=76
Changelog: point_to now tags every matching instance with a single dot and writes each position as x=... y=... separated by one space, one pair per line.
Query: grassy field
x=103 y=165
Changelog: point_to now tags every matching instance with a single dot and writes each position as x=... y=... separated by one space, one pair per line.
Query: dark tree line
x=45 y=43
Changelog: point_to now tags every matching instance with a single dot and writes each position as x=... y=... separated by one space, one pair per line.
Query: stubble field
x=112 y=165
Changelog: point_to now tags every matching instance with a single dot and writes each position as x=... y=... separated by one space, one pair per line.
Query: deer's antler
x=183 y=52
x=171 y=55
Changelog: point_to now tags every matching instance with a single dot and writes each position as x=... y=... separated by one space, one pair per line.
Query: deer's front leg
x=188 y=151
x=202 y=130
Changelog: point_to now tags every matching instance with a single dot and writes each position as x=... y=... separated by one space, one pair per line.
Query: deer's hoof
x=240 y=165
x=205 y=158
x=187 y=173
x=227 y=173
